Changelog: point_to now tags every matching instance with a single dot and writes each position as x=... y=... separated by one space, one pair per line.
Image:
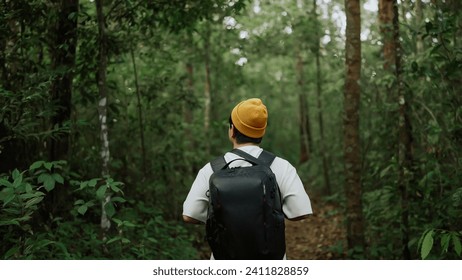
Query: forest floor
x=321 y=236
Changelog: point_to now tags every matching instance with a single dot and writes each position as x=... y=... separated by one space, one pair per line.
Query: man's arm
x=297 y=218
x=190 y=220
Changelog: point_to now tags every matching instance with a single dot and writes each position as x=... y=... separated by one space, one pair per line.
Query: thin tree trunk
x=102 y=109
x=355 y=225
x=386 y=29
x=322 y=146
x=188 y=116
x=305 y=131
x=207 y=94
x=405 y=139
x=63 y=58
x=63 y=61
x=419 y=20
x=140 y=114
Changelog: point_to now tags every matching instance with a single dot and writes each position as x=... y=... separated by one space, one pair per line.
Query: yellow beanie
x=250 y=117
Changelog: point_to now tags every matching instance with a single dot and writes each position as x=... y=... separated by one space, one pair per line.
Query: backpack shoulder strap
x=218 y=163
x=265 y=157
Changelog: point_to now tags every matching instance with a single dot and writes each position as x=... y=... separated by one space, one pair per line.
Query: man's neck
x=236 y=145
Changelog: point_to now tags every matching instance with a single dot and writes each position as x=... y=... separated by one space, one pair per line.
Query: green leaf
x=48 y=165
x=9 y=197
x=457 y=245
x=113 y=240
x=117 y=221
x=16 y=174
x=385 y=171
x=31 y=195
x=118 y=199
x=6 y=183
x=427 y=244
x=17 y=177
x=36 y=165
x=10 y=222
x=115 y=188
x=78 y=202
x=49 y=183
x=93 y=182
x=13 y=250
x=129 y=224
x=42 y=177
x=58 y=178
x=445 y=238
x=82 y=209
x=101 y=191
x=83 y=185
x=33 y=201
x=110 y=210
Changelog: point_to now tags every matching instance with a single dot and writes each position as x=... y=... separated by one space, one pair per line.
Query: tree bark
x=419 y=20
x=304 y=126
x=389 y=16
x=386 y=19
x=63 y=60
x=355 y=226
x=322 y=146
x=102 y=108
x=140 y=115
x=63 y=55
x=207 y=94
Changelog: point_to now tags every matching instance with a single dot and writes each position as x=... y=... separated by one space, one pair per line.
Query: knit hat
x=250 y=117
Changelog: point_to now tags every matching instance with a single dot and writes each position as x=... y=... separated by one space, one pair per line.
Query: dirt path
x=322 y=236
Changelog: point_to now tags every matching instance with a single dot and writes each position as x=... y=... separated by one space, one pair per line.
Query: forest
x=110 y=107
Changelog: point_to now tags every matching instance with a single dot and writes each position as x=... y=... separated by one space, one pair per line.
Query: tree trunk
x=140 y=115
x=355 y=226
x=386 y=29
x=419 y=21
x=188 y=115
x=322 y=146
x=63 y=60
x=392 y=62
x=207 y=94
x=102 y=108
x=305 y=130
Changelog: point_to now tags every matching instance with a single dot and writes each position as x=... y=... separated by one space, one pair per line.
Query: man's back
x=247 y=126
x=245 y=219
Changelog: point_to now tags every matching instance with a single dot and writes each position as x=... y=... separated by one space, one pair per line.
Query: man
x=247 y=127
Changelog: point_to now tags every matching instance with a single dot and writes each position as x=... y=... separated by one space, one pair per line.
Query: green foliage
x=449 y=246
x=138 y=232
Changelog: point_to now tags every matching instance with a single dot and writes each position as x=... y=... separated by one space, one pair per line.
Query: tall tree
x=304 y=126
x=355 y=226
x=140 y=113
x=208 y=83
x=322 y=146
x=102 y=106
x=389 y=18
x=63 y=60
x=418 y=19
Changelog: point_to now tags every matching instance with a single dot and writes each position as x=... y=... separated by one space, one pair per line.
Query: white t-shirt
x=294 y=197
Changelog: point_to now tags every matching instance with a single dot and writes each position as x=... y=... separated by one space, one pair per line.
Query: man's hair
x=241 y=138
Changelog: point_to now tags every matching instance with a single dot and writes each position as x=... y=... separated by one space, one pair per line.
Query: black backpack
x=245 y=218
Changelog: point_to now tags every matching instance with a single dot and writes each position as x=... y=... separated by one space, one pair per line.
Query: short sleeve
x=196 y=203
x=295 y=200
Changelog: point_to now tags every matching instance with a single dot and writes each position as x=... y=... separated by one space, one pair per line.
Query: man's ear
x=233 y=132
